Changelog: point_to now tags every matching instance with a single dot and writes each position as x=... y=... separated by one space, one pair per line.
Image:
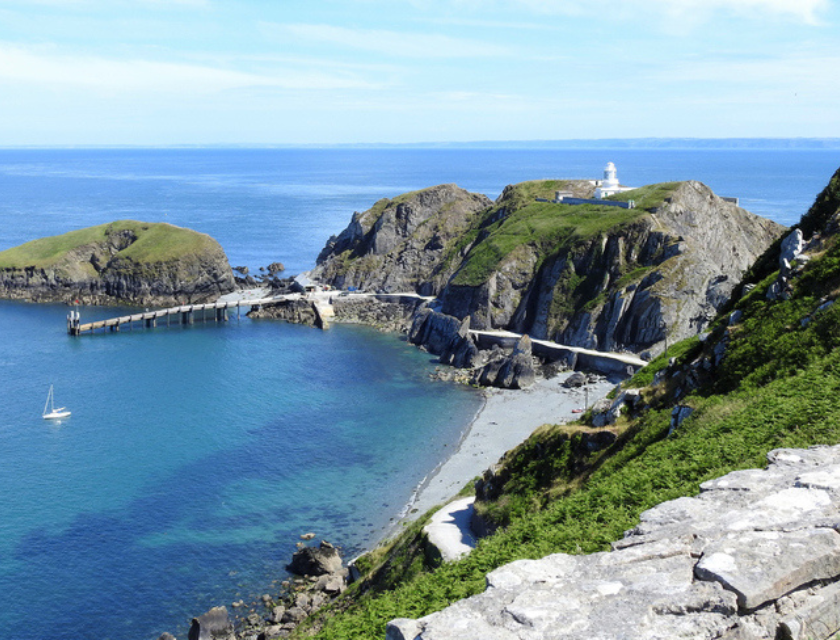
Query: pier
x=186 y=314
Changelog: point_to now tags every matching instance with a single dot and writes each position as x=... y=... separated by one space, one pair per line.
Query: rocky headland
x=123 y=262
x=588 y=275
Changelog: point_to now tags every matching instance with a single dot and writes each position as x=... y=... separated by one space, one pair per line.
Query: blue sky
x=157 y=72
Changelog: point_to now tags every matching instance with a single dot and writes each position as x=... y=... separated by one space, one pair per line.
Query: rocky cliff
x=756 y=554
x=589 y=275
x=121 y=262
x=402 y=244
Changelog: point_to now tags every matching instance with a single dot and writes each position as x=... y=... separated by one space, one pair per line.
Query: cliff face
x=756 y=555
x=122 y=262
x=400 y=244
x=592 y=276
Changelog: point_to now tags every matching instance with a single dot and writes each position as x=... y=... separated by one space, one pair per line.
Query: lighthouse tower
x=609 y=185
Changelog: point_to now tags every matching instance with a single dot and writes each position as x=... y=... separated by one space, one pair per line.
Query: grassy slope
x=776 y=388
x=547 y=226
x=156 y=242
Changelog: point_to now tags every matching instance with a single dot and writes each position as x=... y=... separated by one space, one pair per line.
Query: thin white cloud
x=392 y=43
x=53 y=69
x=806 y=11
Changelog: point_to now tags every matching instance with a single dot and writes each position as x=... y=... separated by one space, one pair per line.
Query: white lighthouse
x=609 y=185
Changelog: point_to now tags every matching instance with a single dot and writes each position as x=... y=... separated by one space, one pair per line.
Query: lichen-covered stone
x=755 y=555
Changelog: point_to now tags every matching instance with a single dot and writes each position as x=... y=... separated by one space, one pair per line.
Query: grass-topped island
x=122 y=262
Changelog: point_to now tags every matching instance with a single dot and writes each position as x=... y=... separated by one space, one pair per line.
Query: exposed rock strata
x=756 y=555
x=106 y=271
x=661 y=277
x=398 y=245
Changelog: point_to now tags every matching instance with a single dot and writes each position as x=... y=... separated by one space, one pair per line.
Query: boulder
x=791 y=247
x=276 y=267
x=517 y=371
x=575 y=380
x=213 y=625
x=316 y=561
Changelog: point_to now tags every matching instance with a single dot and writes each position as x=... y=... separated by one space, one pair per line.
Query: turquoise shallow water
x=196 y=456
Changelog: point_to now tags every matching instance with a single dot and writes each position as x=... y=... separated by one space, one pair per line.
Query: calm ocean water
x=195 y=457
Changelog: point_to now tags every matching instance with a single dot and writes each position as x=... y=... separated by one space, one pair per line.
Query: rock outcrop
x=123 y=262
x=509 y=371
x=399 y=245
x=756 y=555
x=602 y=278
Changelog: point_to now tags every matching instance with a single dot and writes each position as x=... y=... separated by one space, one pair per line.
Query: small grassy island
x=120 y=262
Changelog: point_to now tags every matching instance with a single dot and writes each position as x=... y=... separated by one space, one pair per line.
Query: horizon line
x=814 y=143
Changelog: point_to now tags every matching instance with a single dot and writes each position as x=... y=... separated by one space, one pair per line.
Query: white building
x=609 y=185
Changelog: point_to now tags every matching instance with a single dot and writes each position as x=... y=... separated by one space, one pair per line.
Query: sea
x=195 y=457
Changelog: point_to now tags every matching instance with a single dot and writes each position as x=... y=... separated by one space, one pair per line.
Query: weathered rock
x=434 y=331
x=276 y=267
x=747 y=558
x=395 y=315
x=818 y=618
x=508 y=371
x=271 y=632
x=461 y=352
x=760 y=566
x=403 y=242
x=791 y=247
x=678 y=414
x=213 y=625
x=101 y=267
x=277 y=614
x=294 y=615
x=575 y=380
x=316 y=561
x=166 y=636
x=295 y=311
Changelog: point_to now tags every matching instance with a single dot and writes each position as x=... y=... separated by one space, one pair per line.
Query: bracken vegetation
x=775 y=387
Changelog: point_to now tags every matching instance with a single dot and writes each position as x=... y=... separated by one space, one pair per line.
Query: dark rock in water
x=315 y=561
x=577 y=379
x=434 y=331
x=243 y=270
x=276 y=267
x=213 y=625
x=166 y=636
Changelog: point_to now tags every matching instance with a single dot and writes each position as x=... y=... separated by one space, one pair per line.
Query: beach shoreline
x=506 y=419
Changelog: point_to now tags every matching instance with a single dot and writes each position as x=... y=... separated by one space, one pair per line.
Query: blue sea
x=195 y=457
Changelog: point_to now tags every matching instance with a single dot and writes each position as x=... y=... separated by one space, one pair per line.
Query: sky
x=195 y=72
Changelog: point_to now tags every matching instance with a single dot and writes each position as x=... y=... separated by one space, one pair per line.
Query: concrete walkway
x=449 y=531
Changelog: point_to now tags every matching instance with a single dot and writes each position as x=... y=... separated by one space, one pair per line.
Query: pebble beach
x=507 y=418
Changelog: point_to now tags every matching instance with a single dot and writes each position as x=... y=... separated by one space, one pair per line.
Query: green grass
x=547 y=227
x=776 y=387
x=156 y=242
